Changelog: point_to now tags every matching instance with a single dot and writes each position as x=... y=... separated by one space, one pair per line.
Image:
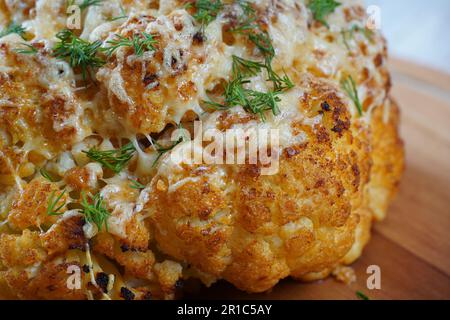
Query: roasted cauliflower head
x=102 y=195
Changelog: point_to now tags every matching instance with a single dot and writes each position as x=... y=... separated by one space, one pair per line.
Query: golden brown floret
x=30 y=208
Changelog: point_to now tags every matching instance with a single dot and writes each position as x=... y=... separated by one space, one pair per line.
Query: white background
x=417 y=30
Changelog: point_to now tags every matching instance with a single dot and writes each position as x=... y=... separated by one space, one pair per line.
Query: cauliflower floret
x=140 y=88
x=30 y=208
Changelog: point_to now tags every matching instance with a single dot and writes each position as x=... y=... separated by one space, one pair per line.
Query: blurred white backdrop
x=417 y=30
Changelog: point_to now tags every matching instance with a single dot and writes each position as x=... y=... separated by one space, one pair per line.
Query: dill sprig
x=361 y=295
x=256 y=102
x=140 y=42
x=280 y=83
x=236 y=92
x=136 y=185
x=55 y=204
x=247 y=21
x=262 y=41
x=251 y=100
x=114 y=160
x=28 y=50
x=259 y=102
x=13 y=28
x=79 y=52
x=246 y=68
x=46 y=175
x=94 y=210
x=349 y=86
x=322 y=8
x=207 y=11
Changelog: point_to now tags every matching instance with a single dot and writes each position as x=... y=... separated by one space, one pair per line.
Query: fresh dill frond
x=55 y=204
x=114 y=160
x=46 y=175
x=236 y=91
x=139 y=42
x=246 y=68
x=322 y=8
x=207 y=11
x=280 y=83
x=28 y=50
x=361 y=295
x=13 y=28
x=251 y=100
x=136 y=185
x=247 y=8
x=247 y=21
x=94 y=210
x=80 y=53
x=263 y=42
x=259 y=102
x=349 y=86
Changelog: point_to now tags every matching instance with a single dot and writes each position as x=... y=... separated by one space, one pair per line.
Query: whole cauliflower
x=89 y=178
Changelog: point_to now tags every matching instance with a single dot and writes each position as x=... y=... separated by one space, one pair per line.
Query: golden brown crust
x=30 y=208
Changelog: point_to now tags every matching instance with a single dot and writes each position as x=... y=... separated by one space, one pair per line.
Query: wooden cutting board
x=412 y=246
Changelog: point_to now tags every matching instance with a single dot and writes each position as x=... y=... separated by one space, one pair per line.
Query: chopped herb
x=53 y=209
x=114 y=160
x=252 y=101
x=279 y=83
x=139 y=42
x=136 y=185
x=263 y=42
x=236 y=92
x=349 y=86
x=322 y=8
x=247 y=21
x=80 y=53
x=94 y=210
x=247 y=7
x=246 y=68
x=46 y=174
x=361 y=295
x=13 y=28
x=31 y=50
x=207 y=11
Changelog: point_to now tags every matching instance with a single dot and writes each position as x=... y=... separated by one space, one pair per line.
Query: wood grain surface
x=412 y=246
